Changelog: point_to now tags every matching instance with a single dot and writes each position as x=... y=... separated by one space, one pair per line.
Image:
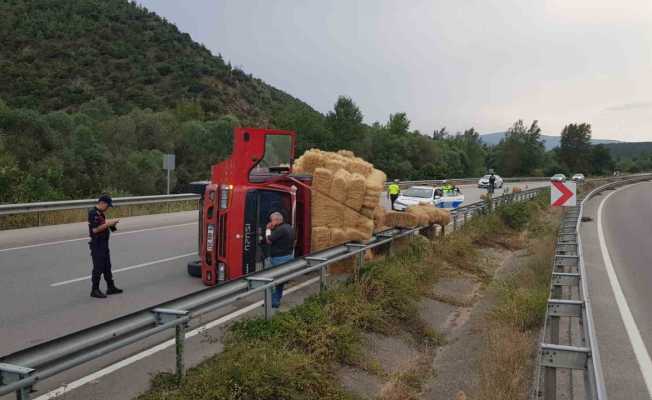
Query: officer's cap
x=107 y=199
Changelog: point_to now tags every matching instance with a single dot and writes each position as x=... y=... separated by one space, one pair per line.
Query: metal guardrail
x=22 y=208
x=569 y=306
x=20 y=371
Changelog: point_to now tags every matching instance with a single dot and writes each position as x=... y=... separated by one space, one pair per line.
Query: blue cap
x=107 y=199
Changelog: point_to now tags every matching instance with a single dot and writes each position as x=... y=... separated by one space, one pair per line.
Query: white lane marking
x=640 y=350
x=160 y=347
x=158 y=228
x=147 y=264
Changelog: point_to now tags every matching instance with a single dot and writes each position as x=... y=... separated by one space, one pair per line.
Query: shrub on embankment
x=296 y=354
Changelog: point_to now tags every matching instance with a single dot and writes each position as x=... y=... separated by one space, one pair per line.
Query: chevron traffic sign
x=563 y=194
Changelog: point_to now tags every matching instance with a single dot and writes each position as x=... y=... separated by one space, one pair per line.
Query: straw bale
x=355 y=235
x=340 y=185
x=322 y=179
x=333 y=163
x=347 y=217
x=321 y=238
x=310 y=160
x=367 y=212
x=366 y=226
x=346 y=153
x=422 y=216
x=401 y=219
x=379 y=217
x=443 y=217
x=360 y=166
x=357 y=187
x=376 y=180
x=325 y=211
x=516 y=189
x=435 y=215
x=371 y=200
x=338 y=236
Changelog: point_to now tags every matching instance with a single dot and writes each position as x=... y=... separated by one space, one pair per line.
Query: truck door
x=259 y=204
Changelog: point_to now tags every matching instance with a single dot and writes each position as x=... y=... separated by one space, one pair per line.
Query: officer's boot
x=97 y=293
x=112 y=289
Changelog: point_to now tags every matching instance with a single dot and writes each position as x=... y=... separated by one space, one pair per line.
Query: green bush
x=516 y=215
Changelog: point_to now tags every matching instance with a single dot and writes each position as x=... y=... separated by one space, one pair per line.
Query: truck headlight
x=210 y=237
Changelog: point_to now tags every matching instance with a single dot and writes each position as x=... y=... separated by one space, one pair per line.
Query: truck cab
x=243 y=191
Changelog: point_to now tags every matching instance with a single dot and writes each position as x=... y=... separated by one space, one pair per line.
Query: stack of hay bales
x=345 y=197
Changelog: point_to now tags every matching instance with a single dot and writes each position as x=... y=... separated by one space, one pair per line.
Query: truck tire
x=194 y=269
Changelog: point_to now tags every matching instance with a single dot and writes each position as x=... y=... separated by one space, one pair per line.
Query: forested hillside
x=60 y=54
x=94 y=92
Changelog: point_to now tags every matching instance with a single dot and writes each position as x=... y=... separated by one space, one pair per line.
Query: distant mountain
x=550 y=141
x=627 y=150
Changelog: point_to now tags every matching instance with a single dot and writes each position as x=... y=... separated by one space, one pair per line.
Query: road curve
x=618 y=254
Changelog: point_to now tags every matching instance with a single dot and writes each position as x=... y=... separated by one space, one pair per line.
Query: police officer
x=394 y=190
x=99 y=230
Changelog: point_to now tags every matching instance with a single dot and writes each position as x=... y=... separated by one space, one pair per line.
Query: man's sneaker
x=113 y=290
x=97 y=293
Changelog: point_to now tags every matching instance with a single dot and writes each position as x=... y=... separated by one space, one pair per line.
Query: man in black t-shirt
x=99 y=230
x=280 y=237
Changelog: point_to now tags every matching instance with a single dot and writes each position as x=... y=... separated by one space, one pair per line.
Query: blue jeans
x=277 y=294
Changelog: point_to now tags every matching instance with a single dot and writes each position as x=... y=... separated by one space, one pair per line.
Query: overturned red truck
x=243 y=191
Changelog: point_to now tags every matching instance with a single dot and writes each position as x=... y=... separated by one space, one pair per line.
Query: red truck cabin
x=244 y=190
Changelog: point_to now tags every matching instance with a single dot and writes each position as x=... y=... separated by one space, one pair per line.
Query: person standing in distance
x=99 y=230
x=394 y=190
x=280 y=237
x=492 y=183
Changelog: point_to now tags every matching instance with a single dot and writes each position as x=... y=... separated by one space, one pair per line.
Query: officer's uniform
x=394 y=190
x=99 y=245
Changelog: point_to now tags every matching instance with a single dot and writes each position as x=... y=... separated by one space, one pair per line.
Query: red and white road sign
x=563 y=194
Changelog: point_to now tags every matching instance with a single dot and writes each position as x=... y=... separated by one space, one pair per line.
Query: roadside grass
x=295 y=355
x=26 y=220
x=513 y=325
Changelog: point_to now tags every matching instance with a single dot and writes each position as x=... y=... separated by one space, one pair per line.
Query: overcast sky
x=459 y=64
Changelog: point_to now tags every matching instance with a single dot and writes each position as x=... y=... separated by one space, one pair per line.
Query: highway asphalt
x=619 y=273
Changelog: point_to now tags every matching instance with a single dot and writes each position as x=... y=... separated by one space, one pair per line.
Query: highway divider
x=20 y=371
x=568 y=344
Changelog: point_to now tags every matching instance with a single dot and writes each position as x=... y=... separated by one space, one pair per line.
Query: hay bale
x=423 y=218
x=346 y=153
x=367 y=212
x=320 y=238
x=516 y=189
x=357 y=188
x=436 y=215
x=309 y=161
x=359 y=166
x=379 y=217
x=366 y=226
x=322 y=179
x=376 y=180
x=334 y=164
x=355 y=235
x=326 y=211
x=340 y=185
x=338 y=236
x=397 y=219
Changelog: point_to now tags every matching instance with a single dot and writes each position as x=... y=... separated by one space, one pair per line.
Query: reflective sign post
x=168 y=165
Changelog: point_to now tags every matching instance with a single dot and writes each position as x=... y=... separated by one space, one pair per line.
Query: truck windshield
x=278 y=151
x=418 y=192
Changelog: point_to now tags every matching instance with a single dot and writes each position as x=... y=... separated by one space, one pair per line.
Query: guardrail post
x=255 y=282
x=454 y=220
x=164 y=315
x=313 y=261
x=359 y=259
x=12 y=373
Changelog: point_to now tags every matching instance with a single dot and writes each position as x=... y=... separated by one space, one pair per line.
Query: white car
x=483 y=183
x=428 y=194
x=578 y=178
x=558 y=178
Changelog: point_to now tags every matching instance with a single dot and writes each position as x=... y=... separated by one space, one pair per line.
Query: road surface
x=618 y=256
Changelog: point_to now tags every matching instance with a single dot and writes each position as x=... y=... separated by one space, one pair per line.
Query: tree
x=345 y=123
x=601 y=161
x=398 y=124
x=439 y=134
x=521 y=152
x=575 y=149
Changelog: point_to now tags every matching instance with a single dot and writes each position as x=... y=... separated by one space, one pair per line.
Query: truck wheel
x=194 y=269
